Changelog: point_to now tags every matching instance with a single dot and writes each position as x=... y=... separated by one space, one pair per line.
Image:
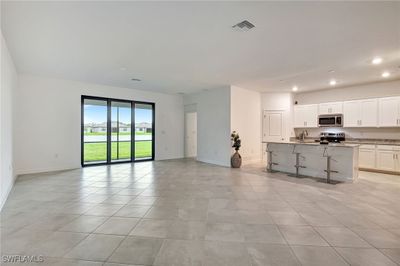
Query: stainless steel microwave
x=335 y=120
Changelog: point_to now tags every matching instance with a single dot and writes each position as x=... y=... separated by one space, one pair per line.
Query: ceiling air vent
x=243 y=26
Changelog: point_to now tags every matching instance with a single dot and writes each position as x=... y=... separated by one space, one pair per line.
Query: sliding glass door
x=116 y=131
x=95 y=131
x=143 y=131
x=121 y=131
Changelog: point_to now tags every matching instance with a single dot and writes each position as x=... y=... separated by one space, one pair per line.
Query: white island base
x=313 y=160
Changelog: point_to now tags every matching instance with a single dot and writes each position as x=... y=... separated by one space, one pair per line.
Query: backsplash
x=357 y=133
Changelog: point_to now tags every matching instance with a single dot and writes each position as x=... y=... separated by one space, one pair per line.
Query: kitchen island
x=335 y=162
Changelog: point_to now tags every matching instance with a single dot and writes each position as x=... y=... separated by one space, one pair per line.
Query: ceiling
x=183 y=47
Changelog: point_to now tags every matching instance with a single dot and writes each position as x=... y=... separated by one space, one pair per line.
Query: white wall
x=280 y=102
x=213 y=125
x=48 y=122
x=246 y=120
x=373 y=90
x=8 y=85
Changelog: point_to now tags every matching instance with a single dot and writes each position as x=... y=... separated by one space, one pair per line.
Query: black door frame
x=133 y=104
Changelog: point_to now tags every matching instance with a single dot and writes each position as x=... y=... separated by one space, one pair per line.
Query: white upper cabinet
x=351 y=114
x=389 y=112
x=306 y=115
x=361 y=113
x=331 y=108
x=369 y=113
x=377 y=112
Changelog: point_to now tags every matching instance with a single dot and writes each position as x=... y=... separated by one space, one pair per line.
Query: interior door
x=273 y=126
x=191 y=134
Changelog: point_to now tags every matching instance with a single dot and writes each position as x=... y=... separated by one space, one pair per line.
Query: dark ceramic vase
x=236 y=160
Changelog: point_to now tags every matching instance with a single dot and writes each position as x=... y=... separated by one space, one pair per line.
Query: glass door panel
x=94 y=131
x=121 y=135
x=144 y=131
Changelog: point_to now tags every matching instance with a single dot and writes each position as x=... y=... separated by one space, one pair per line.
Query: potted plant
x=236 y=159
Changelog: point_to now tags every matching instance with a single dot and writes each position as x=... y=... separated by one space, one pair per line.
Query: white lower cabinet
x=367 y=156
x=387 y=158
x=380 y=157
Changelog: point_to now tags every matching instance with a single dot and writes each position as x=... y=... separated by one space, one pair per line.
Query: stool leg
x=269 y=168
x=328 y=169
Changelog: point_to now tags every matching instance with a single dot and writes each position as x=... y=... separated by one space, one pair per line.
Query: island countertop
x=313 y=143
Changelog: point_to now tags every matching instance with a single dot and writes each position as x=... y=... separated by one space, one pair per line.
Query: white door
x=190 y=134
x=273 y=126
x=369 y=113
x=389 y=112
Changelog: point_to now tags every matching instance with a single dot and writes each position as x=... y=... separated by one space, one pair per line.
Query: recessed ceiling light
x=135 y=79
x=332 y=82
x=376 y=60
x=331 y=71
x=295 y=88
x=122 y=68
x=385 y=74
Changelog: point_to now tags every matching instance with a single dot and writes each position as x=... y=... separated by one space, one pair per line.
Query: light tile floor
x=181 y=212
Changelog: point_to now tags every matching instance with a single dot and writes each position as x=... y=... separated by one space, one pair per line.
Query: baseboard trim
x=213 y=162
x=45 y=170
x=4 y=199
x=379 y=171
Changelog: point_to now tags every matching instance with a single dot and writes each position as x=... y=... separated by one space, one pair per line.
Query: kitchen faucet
x=303 y=135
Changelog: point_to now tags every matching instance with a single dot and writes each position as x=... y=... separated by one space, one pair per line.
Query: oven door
x=327 y=121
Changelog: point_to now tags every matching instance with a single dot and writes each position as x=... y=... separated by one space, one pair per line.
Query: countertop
x=373 y=142
x=394 y=142
x=313 y=143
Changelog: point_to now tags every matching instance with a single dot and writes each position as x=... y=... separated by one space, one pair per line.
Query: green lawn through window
x=97 y=151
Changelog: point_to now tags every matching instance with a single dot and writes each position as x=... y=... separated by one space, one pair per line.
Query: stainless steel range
x=335 y=137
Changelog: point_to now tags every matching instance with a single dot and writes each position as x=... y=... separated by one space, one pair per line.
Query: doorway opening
x=190 y=134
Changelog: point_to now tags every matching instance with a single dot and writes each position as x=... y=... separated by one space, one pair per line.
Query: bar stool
x=270 y=162
x=329 y=170
x=328 y=167
x=297 y=165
